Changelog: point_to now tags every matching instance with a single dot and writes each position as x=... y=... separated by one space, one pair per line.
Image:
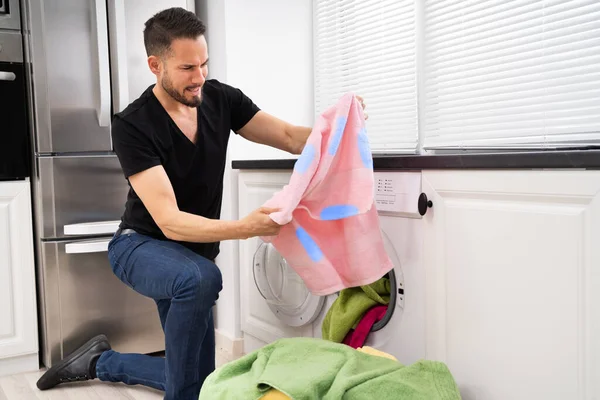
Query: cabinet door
x=513 y=282
x=18 y=323
x=258 y=320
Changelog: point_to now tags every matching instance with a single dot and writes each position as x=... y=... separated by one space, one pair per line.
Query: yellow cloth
x=274 y=394
x=375 y=352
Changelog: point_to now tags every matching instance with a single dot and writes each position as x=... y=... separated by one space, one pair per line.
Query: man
x=171 y=143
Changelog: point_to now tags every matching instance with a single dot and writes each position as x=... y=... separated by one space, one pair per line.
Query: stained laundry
x=351 y=304
x=309 y=368
x=331 y=235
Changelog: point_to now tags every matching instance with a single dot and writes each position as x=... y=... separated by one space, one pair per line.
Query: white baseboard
x=227 y=348
x=19 y=364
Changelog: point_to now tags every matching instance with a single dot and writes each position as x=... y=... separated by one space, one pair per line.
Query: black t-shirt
x=144 y=136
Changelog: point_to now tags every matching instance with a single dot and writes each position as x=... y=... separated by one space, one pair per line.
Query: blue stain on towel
x=364 y=148
x=313 y=250
x=338 y=212
x=306 y=158
x=336 y=139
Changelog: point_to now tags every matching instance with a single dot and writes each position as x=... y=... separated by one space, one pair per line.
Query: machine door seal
x=282 y=288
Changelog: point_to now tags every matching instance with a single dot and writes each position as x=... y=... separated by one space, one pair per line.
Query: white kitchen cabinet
x=512 y=264
x=18 y=315
x=257 y=319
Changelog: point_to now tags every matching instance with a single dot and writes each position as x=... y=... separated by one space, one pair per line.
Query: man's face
x=184 y=70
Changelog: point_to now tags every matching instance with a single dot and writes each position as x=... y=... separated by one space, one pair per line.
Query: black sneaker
x=78 y=366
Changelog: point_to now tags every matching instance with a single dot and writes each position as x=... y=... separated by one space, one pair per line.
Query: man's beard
x=168 y=87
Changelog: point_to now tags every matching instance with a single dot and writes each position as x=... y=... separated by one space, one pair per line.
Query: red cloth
x=357 y=337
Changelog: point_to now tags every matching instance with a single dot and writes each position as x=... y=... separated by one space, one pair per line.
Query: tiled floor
x=22 y=387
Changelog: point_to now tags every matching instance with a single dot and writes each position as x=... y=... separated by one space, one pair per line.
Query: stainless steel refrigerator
x=87 y=61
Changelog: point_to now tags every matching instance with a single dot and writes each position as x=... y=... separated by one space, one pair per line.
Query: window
x=368 y=47
x=490 y=74
x=511 y=73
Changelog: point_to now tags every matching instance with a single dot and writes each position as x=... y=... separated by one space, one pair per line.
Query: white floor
x=22 y=387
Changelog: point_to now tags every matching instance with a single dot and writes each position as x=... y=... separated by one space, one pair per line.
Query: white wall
x=263 y=47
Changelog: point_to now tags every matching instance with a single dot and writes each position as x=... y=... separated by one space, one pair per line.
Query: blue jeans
x=185 y=287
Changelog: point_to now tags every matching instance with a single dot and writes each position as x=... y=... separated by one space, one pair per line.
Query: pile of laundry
x=311 y=369
x=355 y=311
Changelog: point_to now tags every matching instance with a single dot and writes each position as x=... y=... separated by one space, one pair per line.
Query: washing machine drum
x=283 y=289
x=290 y=300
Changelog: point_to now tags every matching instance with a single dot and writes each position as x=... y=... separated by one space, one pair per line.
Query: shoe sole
x=73 y=356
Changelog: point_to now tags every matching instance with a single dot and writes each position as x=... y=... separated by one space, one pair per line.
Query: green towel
x=315 y=369
x=350 y=306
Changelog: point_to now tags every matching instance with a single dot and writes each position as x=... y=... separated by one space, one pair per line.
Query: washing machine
x=275 y=303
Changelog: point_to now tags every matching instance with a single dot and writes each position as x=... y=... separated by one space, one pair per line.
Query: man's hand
x=258 y=223
x=362 y=103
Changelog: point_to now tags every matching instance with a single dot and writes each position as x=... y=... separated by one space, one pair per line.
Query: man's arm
x=266 y=129
x=156 y=192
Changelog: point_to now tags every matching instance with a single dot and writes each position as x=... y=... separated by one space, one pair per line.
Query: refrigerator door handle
x=42 y=135
x=118 y=53
x=101 y=27
x=92 y=228
x=97 y=246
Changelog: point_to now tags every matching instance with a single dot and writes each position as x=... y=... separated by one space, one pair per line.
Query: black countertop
x=583 y=159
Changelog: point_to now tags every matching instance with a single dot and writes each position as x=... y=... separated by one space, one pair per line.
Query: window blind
x=368 y=47
x=519 y=73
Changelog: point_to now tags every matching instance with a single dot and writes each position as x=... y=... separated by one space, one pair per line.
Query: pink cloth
x=356 y=338
x=331 y=235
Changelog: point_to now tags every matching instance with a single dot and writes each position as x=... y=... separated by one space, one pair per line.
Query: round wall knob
x=424 y=204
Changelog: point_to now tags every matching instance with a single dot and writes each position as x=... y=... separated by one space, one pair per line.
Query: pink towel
x=331 y=236
x=357 y=337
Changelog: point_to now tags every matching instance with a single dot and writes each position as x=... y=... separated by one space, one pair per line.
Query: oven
x=15 y=153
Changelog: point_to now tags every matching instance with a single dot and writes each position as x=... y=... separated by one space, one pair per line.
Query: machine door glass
x=283 y=289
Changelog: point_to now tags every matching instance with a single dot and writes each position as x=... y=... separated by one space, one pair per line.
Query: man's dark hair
x=168 y=25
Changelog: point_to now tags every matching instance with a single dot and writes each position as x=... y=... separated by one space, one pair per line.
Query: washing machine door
x=283 y=289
